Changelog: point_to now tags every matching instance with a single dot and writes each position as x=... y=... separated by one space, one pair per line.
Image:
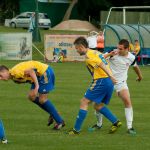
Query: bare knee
x=125 y=96
x=98 y=107
x=84 y=103
x=31 y=98
x=43 y=98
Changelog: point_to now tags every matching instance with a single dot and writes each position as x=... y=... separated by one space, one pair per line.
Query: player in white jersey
x=120 y=60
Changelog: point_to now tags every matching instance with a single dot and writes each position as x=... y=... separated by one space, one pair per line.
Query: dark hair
x=124 y=42
x=81 y=41
x=2 y=67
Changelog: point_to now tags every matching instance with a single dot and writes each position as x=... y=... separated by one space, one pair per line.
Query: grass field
x=25 y=123
x=26 y=126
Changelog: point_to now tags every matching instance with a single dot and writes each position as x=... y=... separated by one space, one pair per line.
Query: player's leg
x=99 y=122
x=2 y=133
x=125 y=96
x=46 y=84
x=101 y=108
x=80 y=117
x=43 y=102
x=105 y=97
x=50 y=108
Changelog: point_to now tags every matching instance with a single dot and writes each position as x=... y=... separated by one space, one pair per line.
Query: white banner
x=16 y=46
x=61 y=47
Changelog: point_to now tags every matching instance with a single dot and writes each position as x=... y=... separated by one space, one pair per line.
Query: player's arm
x=107 y=71
x=110 y=54
x=31 y=73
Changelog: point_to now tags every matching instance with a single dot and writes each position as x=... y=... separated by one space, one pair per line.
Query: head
x=136 y=42
x=4 y=73
x=33 y=14
x=81 y=45
x=100 y=33
x=123 y=47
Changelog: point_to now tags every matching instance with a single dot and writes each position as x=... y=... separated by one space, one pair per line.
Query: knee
x=42 y=98
x=98 y=107
x=84 y=104
x=31 y=98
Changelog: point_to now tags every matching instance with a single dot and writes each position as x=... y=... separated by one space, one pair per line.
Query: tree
x=69 y=10
x=8 y=9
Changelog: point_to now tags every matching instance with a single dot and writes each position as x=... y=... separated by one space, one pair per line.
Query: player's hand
x=33 y=93
x=114 y=52
x=139 y=78
x=113 y=79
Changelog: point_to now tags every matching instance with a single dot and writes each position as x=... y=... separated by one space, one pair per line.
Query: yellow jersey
x=17 y=72
x=93 y=59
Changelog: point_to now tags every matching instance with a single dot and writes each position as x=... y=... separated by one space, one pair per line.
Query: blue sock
x=2 y=131
x=80 y=118
x=49 y=107
x=36 y=101
x=108 y=114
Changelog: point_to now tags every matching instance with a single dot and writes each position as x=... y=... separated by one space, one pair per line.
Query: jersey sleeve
x=133 y=60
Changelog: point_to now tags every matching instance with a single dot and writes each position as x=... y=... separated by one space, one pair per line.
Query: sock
x=2 y=131
x=80 y=118
x=108 y=114
x=49 y=107
x=99 y=117
x=36 y=101
x=129 y=117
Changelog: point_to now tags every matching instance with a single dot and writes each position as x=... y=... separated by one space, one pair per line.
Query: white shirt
x=120 y=65
x=92 y=41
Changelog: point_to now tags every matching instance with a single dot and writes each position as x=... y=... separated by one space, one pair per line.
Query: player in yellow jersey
x=42 y=80
x=100 y=90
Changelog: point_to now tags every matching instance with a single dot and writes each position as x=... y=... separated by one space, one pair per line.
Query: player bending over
x=42 y=80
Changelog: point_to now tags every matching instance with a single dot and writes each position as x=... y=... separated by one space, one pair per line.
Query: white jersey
x=92 y=41
x=120 y=65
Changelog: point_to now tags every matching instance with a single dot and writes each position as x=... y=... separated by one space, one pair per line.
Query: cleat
x=50 y=120
x=59 y=126
x=4 y=141
x=94 y=127
x=115 y=126
x=73 y=132
x=131 y=131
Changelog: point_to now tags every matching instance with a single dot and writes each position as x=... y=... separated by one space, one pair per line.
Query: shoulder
x=131 y=56
x=92 y=55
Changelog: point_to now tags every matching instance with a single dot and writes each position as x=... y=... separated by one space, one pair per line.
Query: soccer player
x=2 y=133
x=100 y=90
x=120 y=60
x=42 y=80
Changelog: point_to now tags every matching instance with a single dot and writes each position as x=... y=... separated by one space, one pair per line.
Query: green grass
x=26 y=126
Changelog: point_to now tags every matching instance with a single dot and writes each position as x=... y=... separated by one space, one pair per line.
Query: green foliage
x=8 y=9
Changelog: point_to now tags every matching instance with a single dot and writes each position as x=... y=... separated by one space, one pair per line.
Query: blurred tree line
x=86 y=8
x=8 y=9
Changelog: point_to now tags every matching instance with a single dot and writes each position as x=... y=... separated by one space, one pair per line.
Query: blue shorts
x=46 y=81
x=100 y=91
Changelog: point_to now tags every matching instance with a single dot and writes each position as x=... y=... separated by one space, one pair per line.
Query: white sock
x=129 y=117
x=99 y=117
